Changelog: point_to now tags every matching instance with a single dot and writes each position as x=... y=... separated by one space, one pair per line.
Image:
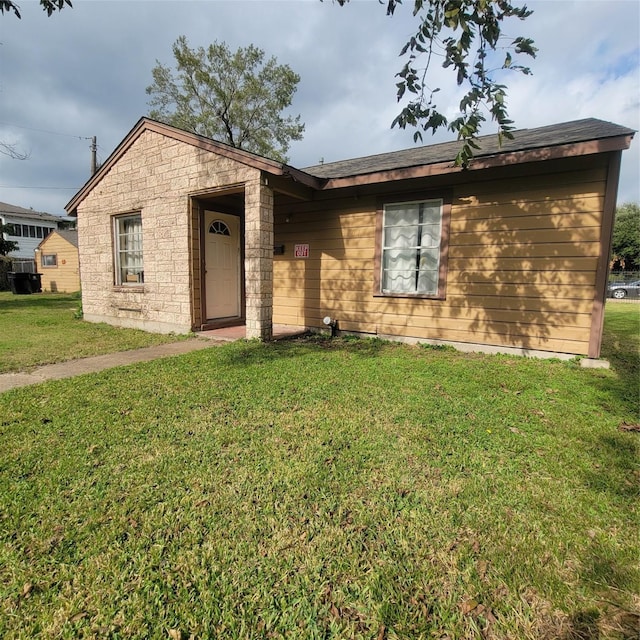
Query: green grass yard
x=621 y=339
x=42 y=329
x=325 y=489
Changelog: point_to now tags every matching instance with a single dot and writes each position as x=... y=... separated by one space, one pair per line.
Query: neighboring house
x=27 y=228
x=57 y=260
x=178 y=232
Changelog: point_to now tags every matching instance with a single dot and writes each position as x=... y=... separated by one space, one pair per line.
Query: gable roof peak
x=187 y=137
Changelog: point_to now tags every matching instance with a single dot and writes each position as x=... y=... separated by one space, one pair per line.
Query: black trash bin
x=35 y=280
x=20 y=283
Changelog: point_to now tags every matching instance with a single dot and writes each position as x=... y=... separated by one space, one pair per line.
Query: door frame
x=228 y=201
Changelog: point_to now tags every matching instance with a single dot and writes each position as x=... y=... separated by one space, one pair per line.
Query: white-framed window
x=49 y=260
x=411 y=247
x=129 y=268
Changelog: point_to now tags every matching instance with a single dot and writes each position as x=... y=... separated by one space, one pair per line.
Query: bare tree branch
x=11 y=151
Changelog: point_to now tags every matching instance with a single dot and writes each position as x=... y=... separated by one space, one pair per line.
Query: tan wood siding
x=523 y=254
x=65 y=276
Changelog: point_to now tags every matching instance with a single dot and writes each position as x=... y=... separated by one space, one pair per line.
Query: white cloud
x=83 y=72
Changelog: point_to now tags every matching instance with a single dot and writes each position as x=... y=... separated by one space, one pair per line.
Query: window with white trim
x=129 y=268
x=49 y=260
x=27 y=231
x=411 y=247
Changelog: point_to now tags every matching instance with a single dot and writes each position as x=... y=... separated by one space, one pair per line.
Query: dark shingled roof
x=524 y=139
x=70 y=235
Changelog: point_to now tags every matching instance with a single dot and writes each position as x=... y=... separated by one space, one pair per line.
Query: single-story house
x=26 y=227
x=58 y=262
x=179 y=233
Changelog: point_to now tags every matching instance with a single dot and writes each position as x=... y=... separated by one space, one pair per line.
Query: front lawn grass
x=42 y=329
x=322 y=489
x=621 y=338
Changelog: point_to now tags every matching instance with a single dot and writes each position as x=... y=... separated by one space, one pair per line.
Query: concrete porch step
x=229 y=334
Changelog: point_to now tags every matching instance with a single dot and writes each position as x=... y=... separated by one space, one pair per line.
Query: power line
x=93 y=147
x=53 y=133
x=7 y=186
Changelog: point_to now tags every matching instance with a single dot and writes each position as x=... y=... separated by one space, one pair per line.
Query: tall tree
x=466 y=36
x=626 y=237
x=50 y=6
x=234 y=97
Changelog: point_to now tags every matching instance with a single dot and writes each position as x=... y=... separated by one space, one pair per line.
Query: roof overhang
x=265 y=165
x=301 y=184
x=541 y=154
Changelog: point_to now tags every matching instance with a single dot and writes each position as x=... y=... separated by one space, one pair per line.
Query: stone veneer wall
x=156 y=176
x=259 y=260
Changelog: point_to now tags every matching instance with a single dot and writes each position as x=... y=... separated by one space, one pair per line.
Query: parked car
x=621 y=290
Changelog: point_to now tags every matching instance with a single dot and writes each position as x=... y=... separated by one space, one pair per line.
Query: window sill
x=129 y=288
x=419 y=296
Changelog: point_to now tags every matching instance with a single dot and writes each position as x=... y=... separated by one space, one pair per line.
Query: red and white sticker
x=301 y=251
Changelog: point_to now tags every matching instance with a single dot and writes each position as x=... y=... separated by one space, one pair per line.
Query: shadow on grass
x=252 y=352
x=620 y=393
x=37 y=301
x=584 y=626
x=621 y=346
x=617 y=476
x=617 y=582
x=601 y=569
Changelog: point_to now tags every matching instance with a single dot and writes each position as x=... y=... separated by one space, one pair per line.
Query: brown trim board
x=606 y=233
x=496 y=160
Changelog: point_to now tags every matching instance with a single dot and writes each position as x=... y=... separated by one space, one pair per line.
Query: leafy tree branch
x=50 y=6
x=626 y=237
x=467 y=36
x=235 y=97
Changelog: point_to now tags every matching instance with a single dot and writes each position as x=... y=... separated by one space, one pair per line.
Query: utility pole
x=94 y=149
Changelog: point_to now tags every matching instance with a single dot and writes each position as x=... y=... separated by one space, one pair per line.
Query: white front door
x=222 y=265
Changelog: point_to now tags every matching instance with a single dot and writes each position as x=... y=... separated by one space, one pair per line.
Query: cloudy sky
x=83 y=72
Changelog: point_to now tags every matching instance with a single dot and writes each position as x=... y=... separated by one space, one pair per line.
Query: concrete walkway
x=99 y=363
x=72 y=368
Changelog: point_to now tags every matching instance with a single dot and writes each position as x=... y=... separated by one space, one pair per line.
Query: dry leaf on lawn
x=469 y=606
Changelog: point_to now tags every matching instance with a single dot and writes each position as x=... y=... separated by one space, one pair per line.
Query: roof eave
x=589 y=147
x=145 y=124
x=287 y=172
x=33 y=215
x=266 y=165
